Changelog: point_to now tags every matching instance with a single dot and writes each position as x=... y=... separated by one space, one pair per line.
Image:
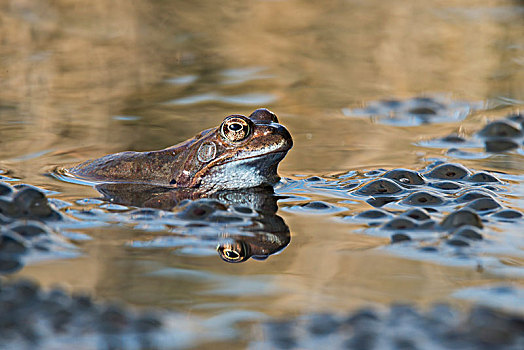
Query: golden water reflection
x=86 y=78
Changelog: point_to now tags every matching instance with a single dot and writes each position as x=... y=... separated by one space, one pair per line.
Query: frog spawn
x=25 y=213
x=397 y=327
x=31 y=314
x=498 y=136
x=409 y=215
x=428 y=224
x=24 y=202
x=414 y=111
x=445 y=208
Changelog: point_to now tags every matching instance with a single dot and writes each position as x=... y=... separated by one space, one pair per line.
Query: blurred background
x=84 y=78
x=99 y=76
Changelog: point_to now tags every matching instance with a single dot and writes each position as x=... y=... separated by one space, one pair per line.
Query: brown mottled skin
x=242 y=152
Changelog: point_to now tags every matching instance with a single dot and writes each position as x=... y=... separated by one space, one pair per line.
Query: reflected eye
x=233 y=253
x=235 y=129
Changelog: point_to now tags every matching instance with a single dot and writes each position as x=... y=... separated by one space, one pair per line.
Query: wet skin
x=242 y=152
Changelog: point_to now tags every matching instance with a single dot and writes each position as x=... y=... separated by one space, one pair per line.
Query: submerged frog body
x=242 y=152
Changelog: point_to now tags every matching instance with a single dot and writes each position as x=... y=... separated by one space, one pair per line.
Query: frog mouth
x=273 y=158
x=272 y=154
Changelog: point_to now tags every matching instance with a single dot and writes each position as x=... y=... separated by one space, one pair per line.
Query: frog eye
x=235 y=129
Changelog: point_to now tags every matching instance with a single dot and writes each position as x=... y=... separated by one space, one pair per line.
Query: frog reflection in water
x=225 y=173
x=242 y=152
x=242 y=223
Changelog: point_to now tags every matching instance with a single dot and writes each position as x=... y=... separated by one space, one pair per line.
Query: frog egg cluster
x=445 y=213
x=398 y=327
x=36 y=318
x=414 y=111
x=502 y=135
x=24 y=210
x=446 y=203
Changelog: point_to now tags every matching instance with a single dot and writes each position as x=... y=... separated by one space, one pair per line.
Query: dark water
x=363 y=86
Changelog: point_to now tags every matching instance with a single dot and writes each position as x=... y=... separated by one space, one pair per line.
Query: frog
x=242 y=152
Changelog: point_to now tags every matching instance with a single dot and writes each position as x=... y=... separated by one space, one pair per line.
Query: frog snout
x=281 y=131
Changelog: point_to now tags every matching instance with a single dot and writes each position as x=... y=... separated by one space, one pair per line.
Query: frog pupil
x=235 y=126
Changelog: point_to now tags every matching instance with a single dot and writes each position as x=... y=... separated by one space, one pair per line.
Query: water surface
x=81 y=81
